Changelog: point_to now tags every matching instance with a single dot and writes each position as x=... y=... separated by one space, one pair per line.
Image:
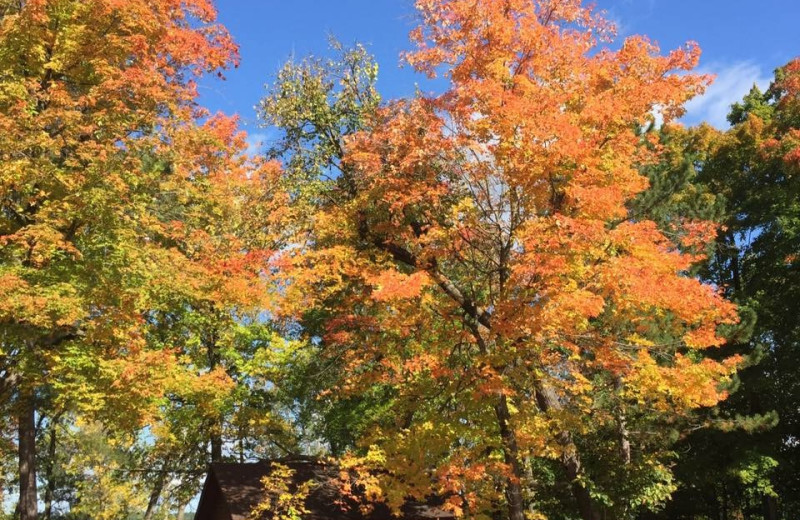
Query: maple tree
x=120 y=211
x=474 y=257
x=103 y=488
x=494 y=294
x=245 y=420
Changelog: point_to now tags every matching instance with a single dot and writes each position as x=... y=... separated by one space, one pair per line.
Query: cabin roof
x=233 y=490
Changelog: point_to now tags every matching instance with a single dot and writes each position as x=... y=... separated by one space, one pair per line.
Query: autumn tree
x=317 y=102
x=118 y=198
x=748 y=464
x=474 y=258
x=247 y=419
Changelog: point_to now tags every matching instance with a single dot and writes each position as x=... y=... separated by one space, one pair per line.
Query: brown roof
x=232 y=491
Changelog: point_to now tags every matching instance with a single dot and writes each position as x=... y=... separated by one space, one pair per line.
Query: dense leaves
x=118 y=213
x=523 y=294
x=474 y=261
x=749 y=463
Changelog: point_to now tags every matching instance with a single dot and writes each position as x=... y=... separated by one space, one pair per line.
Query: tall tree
x=474 y=260
x=317 y=103
x=111 y=185
x=750 y=464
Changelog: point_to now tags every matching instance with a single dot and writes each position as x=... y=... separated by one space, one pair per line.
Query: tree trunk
x=216 y=448
x=216 y=427
x=770 y=508
x=155 y=494
x=516 y=505
x=181 y=511
x=28 y=500
x=624 y=441
x=570 y=460
x=724 y=502
x=241 y=444
x=622 y=429
x=571 y=463
x=49 y=477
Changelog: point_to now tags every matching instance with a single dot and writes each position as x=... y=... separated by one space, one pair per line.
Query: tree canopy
x=533 y=294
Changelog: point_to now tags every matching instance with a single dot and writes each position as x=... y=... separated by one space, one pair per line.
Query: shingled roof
x=232 y=491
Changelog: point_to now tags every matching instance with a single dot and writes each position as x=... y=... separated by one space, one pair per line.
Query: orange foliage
x=119 y=194
x=507 y=196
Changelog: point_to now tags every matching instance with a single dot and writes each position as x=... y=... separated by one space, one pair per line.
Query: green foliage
x=135 y=238
x=749 y=461
x=406 y=236
x=123 y=268
x=316 y=103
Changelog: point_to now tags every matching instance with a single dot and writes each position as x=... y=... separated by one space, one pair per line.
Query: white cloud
x=731 y=84
x=255 y=143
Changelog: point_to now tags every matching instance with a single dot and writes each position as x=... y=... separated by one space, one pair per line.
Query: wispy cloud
x=731 y=84
x=255 y=143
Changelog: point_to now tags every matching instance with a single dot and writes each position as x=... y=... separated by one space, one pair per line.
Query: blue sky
x=742 y=41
